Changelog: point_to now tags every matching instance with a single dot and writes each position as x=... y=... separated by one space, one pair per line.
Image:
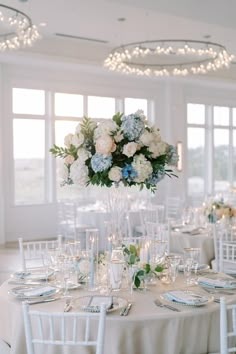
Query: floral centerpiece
x=124 y=149
x=218 y=209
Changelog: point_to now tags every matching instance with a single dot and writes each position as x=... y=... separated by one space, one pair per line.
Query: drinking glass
x=173 y=263
x=116 y=274
x=188 y=266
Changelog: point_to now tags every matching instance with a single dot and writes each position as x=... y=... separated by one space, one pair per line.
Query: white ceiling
x=97 y=20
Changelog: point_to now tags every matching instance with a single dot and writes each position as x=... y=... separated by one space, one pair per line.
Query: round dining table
x=147 y=329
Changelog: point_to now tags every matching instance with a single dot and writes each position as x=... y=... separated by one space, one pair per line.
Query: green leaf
x=117 y=118
x=159 y=268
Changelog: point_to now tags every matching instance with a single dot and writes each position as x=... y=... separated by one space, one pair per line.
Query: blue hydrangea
x=156 y=176
x=129 y=173
x=101 y=163
x=172 y=155
x=132 y=126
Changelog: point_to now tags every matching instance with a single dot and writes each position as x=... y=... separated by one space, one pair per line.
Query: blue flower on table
x=101 y=163
x=129 y=173
x=132 y=126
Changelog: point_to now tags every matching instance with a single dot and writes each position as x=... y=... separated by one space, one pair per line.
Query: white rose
x=156 y=134
x=140 y=113
x=105 y=128
x=68 y=140
x=68 y=160
x=105 y=145
x=158 y=149
x=115 y=174
x=146 y=138
x=130 y=149
x=78 y=139
x=118 y=136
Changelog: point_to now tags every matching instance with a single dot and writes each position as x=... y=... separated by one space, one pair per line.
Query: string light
x=19 y=30
x=181 y=57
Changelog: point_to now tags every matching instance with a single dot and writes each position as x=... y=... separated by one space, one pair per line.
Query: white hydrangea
x=105 y=128
x=158 y=149
x=115 y=174
x=68 y=140
x=143 y=167
x=105 y=145
x=79 y=173
x=77 y=140
x=146 y=138
x=130 y=149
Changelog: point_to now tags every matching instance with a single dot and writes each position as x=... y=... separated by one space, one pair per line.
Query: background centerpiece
x=124 y=149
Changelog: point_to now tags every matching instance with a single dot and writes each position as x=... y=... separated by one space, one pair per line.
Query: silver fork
x=160 y=304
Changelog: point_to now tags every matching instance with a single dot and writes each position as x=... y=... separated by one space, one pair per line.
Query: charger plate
x=22 y=292
x=33 y=274
x=209 y=298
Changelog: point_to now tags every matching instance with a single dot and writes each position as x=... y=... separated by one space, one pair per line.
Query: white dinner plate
x=210 y=299
x=33 y=274
x=34 y=292
x=218 y=287
x=82 y=303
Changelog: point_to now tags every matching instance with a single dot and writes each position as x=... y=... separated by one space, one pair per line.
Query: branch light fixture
x=168 y=57
x=16 y=29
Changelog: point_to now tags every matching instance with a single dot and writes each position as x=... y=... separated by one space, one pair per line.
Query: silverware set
x=126 y=309
x=160 y=304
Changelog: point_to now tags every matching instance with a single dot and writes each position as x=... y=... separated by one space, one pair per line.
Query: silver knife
x=31 y=302
x=127 y=309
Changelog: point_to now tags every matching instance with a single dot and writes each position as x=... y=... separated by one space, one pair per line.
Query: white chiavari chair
x=32 y=252
x=222 y=234
x=227 y=327
x=64 y=329
x=227 y=257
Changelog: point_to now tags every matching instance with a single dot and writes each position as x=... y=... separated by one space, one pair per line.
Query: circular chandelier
x=16 y=29
x=168 y=57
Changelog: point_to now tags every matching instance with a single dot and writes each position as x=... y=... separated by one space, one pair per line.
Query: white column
x=2 y=207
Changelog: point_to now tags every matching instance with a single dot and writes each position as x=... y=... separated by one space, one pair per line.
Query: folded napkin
x=21 y=275
x=188 y=298
x=94 y=303
x=42 y=291
x=217 y=283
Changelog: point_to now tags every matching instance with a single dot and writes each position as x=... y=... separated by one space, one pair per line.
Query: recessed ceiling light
x=43 y=24
x=121 y=19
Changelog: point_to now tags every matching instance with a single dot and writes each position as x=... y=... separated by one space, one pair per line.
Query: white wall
x=169 y=98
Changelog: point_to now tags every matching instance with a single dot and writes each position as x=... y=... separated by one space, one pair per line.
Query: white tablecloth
x=148 y=329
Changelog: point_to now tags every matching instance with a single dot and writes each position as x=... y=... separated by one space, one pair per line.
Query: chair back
x=222 y=234
x=227 y=327
x=31 y=252
x=79 y=329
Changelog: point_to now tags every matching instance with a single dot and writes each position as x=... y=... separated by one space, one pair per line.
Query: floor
x=9 y=261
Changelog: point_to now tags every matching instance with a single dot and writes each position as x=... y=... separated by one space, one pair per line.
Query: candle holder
x=92 y=238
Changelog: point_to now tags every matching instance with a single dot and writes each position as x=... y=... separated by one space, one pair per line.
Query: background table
x=179 y=241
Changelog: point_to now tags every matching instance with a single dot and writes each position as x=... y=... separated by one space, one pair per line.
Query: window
x=29 y=153
x=133 y=104
x=42 y=118
x=68 y=105
x=211 y=149
x=101 y=107
x=29 y=145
